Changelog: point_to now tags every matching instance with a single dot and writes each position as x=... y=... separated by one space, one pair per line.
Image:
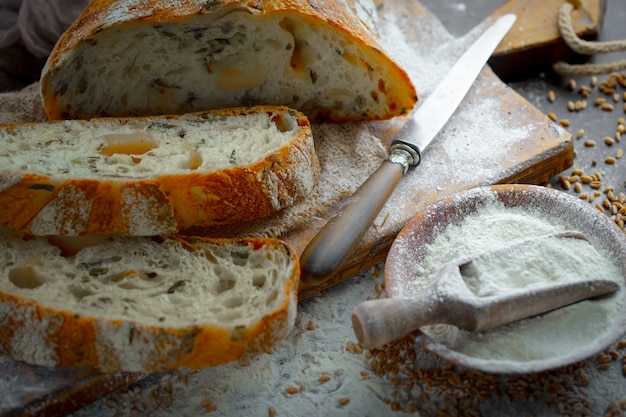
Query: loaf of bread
x=138 y=57
x=140 y=304
x=154 y=175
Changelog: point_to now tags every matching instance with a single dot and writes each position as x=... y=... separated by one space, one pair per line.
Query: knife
x=338 y=239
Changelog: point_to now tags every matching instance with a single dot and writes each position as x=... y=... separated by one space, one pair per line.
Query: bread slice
x=137 y=57
x=154 y=175
x=140 y=304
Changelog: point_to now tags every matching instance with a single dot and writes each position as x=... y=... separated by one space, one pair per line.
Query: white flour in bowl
x=494 y=226
x=533 y=264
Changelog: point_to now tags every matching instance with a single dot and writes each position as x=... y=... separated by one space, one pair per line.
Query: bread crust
x=54 y=205
x=41 y=335
x=347 y=17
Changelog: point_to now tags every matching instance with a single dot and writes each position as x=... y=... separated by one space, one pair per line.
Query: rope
x=584 y=47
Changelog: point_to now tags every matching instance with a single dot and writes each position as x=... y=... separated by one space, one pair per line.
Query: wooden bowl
x=499 y=350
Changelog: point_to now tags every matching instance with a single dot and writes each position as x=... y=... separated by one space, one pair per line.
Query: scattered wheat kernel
x=604 y=367
x=599 y=101
x=616 y=97
x=564 y=123
x=584 y=91
x=291 y=390
x=619 y=153
x=551 y=96
x=580 y=133
x=572 y=84
x=606 y=204
x=583 y=196
x=621 y=121
x=596 y=185
x=609 y=141
x=344 y=401
x=607 y=107
x=576 y=176
x=590 y=143
x=578 y=187
x=552 y=116
x=610 y=160
x=594 y=81
x=586 y=179
x=565 y=184
x=271 y=411
x=625 y=107
x=310 y=325
x=323 y=379
x=571 y=106
x=600 y=208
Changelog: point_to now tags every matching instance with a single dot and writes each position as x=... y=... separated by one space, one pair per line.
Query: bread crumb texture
x=154 y=175
x=119 y=303
x=322 y=58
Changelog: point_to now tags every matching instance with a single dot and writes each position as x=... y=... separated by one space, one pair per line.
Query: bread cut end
x=154 y=175
x=118 y=303
x=226 y=56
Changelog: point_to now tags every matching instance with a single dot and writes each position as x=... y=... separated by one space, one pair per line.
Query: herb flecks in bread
x=154 y=175
x=119 y=303
x=132 y=58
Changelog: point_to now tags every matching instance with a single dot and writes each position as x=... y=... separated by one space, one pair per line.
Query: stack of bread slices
x=167 y=116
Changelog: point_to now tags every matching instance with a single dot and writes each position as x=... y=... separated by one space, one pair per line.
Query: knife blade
x=338 y=239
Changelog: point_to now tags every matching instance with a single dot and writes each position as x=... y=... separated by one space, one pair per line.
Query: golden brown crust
x=70 y=340
x=340 y=15
x=42 y=205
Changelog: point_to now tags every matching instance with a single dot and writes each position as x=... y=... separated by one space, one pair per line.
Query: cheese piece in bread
x=140 y=304
x=154 y=175
x=137 y=57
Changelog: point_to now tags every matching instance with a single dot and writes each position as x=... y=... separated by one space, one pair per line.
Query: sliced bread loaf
x=154 y=175
x=139 y=304
x=138 y=57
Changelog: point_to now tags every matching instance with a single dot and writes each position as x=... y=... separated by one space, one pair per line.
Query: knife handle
x=338 y=239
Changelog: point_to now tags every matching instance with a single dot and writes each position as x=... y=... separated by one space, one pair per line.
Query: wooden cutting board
x=545 y=151
x=535 y=43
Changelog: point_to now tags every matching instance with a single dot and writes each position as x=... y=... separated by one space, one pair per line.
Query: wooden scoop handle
x=377 y=322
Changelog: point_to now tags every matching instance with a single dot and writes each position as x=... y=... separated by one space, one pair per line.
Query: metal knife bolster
x=405 y=154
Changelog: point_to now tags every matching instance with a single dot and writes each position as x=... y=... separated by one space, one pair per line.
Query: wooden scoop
x=449 y=300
